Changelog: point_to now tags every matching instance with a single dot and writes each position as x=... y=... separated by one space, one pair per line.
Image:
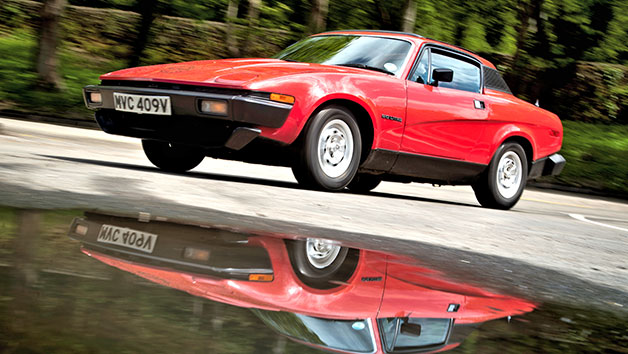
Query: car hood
x=226 y=72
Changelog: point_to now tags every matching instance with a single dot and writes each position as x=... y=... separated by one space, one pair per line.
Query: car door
x=444 y=119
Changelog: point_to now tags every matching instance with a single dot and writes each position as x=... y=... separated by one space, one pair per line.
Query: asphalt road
x=572 y=236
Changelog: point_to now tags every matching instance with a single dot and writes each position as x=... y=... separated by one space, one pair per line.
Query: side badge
x=385 y=116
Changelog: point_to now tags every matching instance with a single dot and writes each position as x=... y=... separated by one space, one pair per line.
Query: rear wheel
x=363 y=183
x=501 y=186
x=330 y=151
x=172 y=157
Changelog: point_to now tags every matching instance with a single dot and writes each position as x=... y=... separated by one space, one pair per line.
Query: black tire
x=330 y=276
x=489 y=191
x=172 y=157
x=335 y=129
x=301 y=175
x=364 y=183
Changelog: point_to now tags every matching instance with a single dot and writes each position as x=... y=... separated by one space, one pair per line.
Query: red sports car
x=342 y=109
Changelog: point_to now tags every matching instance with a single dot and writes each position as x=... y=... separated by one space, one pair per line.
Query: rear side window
x=466 y=74
x=494 y=81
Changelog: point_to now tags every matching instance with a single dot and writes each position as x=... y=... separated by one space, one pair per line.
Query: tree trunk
x=253 y=17
x=318 y=16
x=47 y=61
x=254 y=7
x=384 y=16
x=146 y=10
x=513 y=75
x=232 y=41
x=524 y=13
x=409 y=16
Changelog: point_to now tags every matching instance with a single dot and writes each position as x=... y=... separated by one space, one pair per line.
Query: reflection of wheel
x=172 y=157
x=363 y=183
x=318 y=263
x=501 y=186
x=330 y=152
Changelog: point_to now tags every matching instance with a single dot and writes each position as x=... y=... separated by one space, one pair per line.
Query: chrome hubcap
x=335 y=148
x=321 y=253
x=509 y=174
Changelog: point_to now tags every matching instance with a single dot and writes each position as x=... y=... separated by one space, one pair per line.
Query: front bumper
x=227 y=258
x=187 y=124
x=548 y=166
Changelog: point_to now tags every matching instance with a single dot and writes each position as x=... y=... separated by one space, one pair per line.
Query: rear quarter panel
x=511 y=117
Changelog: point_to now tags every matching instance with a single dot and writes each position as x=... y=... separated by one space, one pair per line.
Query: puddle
x=148 y=284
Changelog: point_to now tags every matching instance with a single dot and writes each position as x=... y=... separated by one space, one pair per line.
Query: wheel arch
x=525 y=144
x=363 y=117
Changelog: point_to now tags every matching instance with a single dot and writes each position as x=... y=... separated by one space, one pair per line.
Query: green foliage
x=17 y=77
x=595 y=156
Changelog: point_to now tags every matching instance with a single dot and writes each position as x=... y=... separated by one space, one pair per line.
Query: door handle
x=478 y=104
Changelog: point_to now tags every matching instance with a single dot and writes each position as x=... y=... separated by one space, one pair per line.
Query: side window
x=466 y=74
x=422 y=69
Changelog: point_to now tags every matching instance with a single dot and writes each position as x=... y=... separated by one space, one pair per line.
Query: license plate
x=125 y=237
x=142 y=104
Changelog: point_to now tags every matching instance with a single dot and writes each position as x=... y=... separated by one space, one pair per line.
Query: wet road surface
x=115 y=298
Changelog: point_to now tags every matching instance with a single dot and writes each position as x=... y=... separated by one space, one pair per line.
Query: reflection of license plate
x=142 y=104
x=126 y=237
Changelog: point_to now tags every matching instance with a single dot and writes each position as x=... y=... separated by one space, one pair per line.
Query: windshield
x=349 y=335
x=385 y=54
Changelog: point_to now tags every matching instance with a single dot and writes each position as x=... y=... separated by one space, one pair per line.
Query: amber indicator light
x=261 y=277
x=281 y=98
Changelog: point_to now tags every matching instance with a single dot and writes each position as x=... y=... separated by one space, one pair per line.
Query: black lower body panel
x=419 y=168
x=174 y=129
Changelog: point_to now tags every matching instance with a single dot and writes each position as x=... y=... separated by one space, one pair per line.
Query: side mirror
x=442 y=75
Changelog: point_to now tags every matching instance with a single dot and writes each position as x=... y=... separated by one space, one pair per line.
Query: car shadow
x=240 y=179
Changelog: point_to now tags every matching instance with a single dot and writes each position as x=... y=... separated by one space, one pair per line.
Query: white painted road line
x=583 y=218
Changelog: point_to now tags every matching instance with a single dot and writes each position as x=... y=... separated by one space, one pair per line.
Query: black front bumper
x=230 y=255
x=548 y=166
x=187 y=124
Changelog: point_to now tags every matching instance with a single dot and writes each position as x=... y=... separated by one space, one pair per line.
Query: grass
x=596 y=156
x=17 y=77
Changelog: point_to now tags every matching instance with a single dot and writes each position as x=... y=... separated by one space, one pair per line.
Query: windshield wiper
x=368 y=67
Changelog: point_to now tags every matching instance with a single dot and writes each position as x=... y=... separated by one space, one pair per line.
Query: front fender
x=377 y=94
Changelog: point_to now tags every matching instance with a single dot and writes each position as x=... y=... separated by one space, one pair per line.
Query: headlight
x=214 y=107
x=95 y=97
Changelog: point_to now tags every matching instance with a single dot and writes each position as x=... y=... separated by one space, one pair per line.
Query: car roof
x=413 y=37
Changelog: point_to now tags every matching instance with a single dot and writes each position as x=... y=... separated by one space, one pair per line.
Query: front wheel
x=322 y=264
x=501 y=186
x=172 y=157
x=330 y=151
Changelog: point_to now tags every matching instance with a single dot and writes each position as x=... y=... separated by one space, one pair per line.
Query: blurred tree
x=46 y=62
x=253 y=22
x=318 y=18
x=232 y=41
x=147 y=11
x=409 y=16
